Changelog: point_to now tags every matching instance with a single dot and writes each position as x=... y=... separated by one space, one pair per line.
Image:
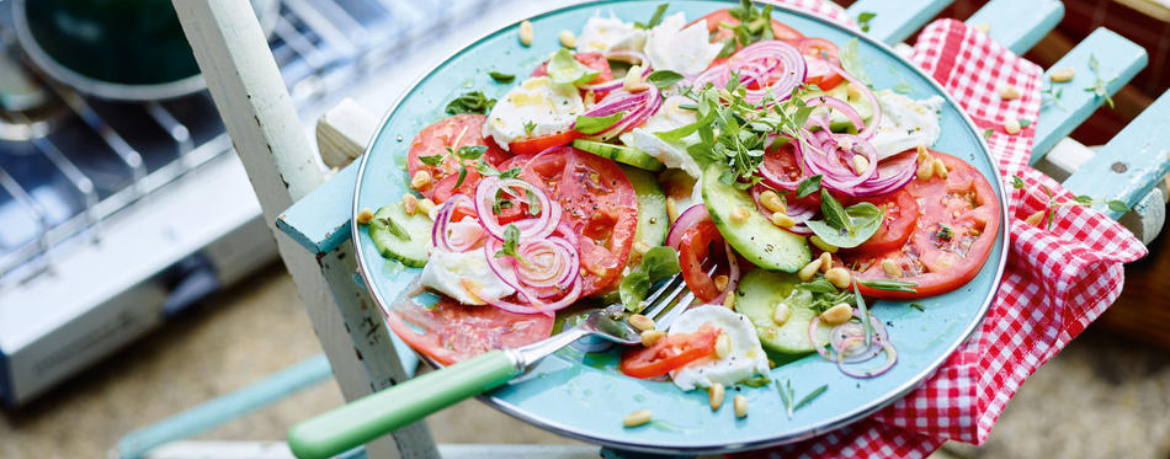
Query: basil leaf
x=595 y=124
x=463 y=175
x=470 y=102
x=858 y=223
x=511 y=173
x=655 y=19
x=834 y=212
x=502 y=77
x=1017 y=182
x=563 y=68
x=432 y=160
x=471 y=152
x=864 y=18
x=851 y=61
x=808 y=186
x=1118 y=206
x=903 y=87
x=633 y=290
x=818 y=285
x=664 y=78
x=486 y=169
x=659 y=263
x=511 y=244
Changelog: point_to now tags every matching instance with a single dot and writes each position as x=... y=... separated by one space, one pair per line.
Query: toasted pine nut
x=821 y=244
x=982 y=27
x=739 y=215
x=637 y=418
x=940 y=169
x=729 y=301
x=641 y=322
x=782 y=220
x=772 y=202
x=568 y=40
x=892 y=269
x=839 y=277
x=721 y=282
x=526 y=33
x=923 y=153
x=426 y=205
x=860 y=164
x=715 y=395
x=410 y=204
x=671 y=210
x=1009 y=92
x=826 y=261
x=925 y=169
x=633 y=80
x=421 y=180
x=781 y=313
x=1012 y=126
x=641 y=247
x=365 y=216
x=806 y=273
x=740 y=403
x=589 y=99
x=1062 y=75
x=649 y=337
x=722 y=345
x=974 y=231
x=837 y=315
x=852 y=92
x=1036 y=218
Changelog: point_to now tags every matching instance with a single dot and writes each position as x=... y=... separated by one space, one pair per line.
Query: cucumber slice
x=759 y=293
x=756 y=238
x=652 y=221
x=411 y=250
x=837 y=121
x=621 y=154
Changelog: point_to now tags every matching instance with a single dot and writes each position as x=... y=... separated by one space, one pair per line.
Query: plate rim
x=847 y=418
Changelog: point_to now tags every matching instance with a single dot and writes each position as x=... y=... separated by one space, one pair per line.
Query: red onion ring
x=891 y=359
x=754 y=64
x=441 y=231
x=874 y=120
x=843 y=348
x=733 y=274
x=689 y=218
x=832 y=159
x=507 y=269
x=628 y=56
x=839 y=105
x=638 y=107
x=532 y=228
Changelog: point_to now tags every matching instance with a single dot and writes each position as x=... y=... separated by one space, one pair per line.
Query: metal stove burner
x=28 y=109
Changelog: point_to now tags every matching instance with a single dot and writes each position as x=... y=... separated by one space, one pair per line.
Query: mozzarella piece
x=447 y=272
x=687 y=50
x=551 y=107
x=672 y=154
x=745 y=360
x=610 y=33
x=906 y=123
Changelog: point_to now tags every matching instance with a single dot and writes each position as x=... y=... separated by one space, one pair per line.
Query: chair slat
x=1119 y=60
x=896 y=21
x=1019 y=24
x=320 y=220
x=1131 y=164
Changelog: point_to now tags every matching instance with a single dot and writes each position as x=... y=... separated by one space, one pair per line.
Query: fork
x=376 y=414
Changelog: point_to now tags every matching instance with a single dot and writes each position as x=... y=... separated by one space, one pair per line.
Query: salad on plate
x=753 y=161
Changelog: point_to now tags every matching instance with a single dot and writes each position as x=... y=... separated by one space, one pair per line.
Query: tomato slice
x=697 y=245
x=451 y=332
x=598 y=202
x=718 y=33
x=957 y=225
x=539 y=144
x=433 y=140
x=669 y=353
x=897 y=223
x=781 y=162
x=821 y=57
x=595 y=61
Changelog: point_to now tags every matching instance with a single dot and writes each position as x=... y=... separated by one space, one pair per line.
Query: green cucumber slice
x=653 y=223
x=411 y=250
x=621 y=154
x=759 y=292
x=756 y=238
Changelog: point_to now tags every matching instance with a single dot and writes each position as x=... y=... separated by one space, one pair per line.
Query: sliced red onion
x=831 y=157
x=628 y=56
x=797 y=210
x=876 y=118
x=892 y=174
x=637 y=106
x=532 y=228
x=508 y=269
x=891 y=359
x=441 y=232
x=689 y=218
x=733 y=274
x=755 y=64
x=847 y=345
x=839 y=105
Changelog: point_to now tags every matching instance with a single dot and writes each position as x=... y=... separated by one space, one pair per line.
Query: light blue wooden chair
x=314 y=225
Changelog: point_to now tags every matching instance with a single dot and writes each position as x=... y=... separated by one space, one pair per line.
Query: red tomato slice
x=782 y=163
x=718 y=34
x=897 y=222
x=696 y=246
x=595 y=61
x=669 y=353
x=435 y=139
x=821 y=56
x=940 y=260
x=598 y=203
x=539 y=144
x=450 y=332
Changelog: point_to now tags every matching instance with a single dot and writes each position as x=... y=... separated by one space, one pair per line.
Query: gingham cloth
x=1057 y=280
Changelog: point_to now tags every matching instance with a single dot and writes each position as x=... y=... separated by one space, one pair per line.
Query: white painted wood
x=1065 y=158
x=343 y=132
x=260 y=117
x=1147 y=217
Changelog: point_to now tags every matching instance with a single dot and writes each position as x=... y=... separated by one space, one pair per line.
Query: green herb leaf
x=511 y=173
x=633 y=290
x=903 y=87
x=1118 y=206
x=864 y=18
x=918 y=307
x=593 y=124
x=563 y=68
x=502 y=77
x=864 y=309
x=664 y=78
x=851 y=61
x=432 y=160
x=757 y=381
x=511 y=244
x=655 y=19
x=659 y=263
x=810 y=397
x=834 y=213
x=486 y=169
x=945 y=233
x=818 y=285
x=808 y=186
x=849 y=227
x=1025 y=123
x=891 y=285
x=471 y=152
x=1084 y=199
x=462 y=175
x=529 y=126
x=987 y=133
x=1017 y=182
x=397 y=230
x=470 y=102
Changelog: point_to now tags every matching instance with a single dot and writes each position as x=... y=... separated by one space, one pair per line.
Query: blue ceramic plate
x=583 y=396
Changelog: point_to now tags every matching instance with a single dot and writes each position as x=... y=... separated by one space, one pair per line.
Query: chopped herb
x=1017 y=182
x=664 y=78
x=1118 y=206
x=590 y=125
x=945 y=232
x=808 y=186
x=655 y=19
x=918 y=307
x=1051 y=94
x=811 y=396
x=788 y=396
x=865 y=323
x=529 y=126
x=462 y=175
x=864 y=18
x=511 y=246
x=470 y=102
x=511 y=173
x=903 y=87
x=395 y=229
x=1099 y=87
x=1025 y=123
x=757 y=381
x=818 y=285
x=1084 y=199
x=432 y=160
x=471 y=152
x=891 y=285
x=987 y=133
x=533 y=204
x=846 y=227
x=502 y=77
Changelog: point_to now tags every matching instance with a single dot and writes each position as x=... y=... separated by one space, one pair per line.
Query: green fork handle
x=376 y=414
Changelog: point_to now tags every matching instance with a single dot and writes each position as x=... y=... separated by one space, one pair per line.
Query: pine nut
x=365 y=216
x=940 y=169
x=860 y=164
x=729 y=301
x=740 y=403
x=839 y=277
x=892 y=269
x=410 y=204
x=1012 y=126
x=641 y=322
x=826 y=262
x=1062 y=75
x=925 y=170
x=821 y=244
x=715 y=395
x=589 y=99
x=837 y=315
x=633 y=80
x=721 y=282
x=426 y=205
x=739 y=215
x=421 y=180
x=782 y=220
x=637 y=418
x=982 y=27
x=1035 y=218
x=781 y=313
x=1009 y=92
x=526 y=33
x=772 y=202
x=806 y=273
x=568 y=40
x=722 y=345
x=641 y=247
x=671 y=210
x=852 y=91
x=923 y=153
x=649 y=337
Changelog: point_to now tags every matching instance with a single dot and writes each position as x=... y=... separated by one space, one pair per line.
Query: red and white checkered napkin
x=1057 y=281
